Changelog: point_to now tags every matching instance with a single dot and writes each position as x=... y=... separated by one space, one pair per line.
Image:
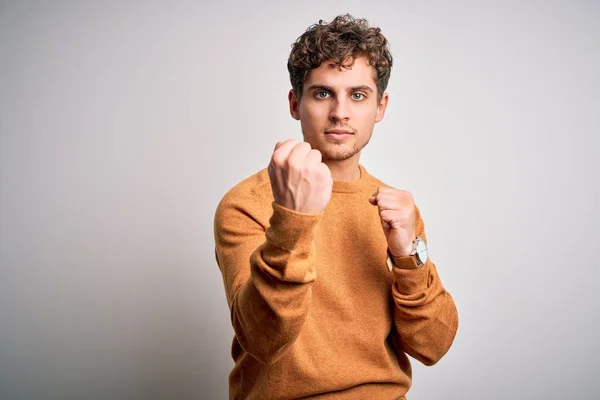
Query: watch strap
x=405 y=262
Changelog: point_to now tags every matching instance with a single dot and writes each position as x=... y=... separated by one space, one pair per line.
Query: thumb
x=373 y=199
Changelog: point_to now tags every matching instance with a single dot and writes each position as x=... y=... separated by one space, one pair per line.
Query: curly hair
x=342 y=41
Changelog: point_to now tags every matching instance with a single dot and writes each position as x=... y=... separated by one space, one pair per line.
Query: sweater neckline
x=352 y=186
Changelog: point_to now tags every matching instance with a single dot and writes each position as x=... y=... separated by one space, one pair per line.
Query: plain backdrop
x=124 y=123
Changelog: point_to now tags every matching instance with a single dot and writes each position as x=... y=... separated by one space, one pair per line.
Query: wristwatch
x=419 y=251
x=418 y=255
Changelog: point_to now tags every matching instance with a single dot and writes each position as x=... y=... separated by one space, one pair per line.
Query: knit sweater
x=317 y=312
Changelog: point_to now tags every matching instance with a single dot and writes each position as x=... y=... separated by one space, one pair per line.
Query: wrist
x=406 y=251
x=414 y=258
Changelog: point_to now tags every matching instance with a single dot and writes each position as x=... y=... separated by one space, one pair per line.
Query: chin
x=338 y=154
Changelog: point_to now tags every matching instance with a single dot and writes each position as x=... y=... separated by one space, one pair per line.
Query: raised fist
x=397 y=213
x=300 y=181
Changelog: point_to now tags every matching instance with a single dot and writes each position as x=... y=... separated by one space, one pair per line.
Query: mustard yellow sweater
x=316 y=311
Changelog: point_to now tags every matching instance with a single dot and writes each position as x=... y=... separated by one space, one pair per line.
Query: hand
x=300 y=181
x=397 y=213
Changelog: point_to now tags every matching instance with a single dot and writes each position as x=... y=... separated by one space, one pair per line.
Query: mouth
x=338 y=134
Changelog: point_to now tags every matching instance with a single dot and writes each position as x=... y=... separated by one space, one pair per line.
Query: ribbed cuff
x=409 y=277
x=290 y=230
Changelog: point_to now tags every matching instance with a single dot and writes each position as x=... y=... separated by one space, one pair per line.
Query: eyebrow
x=364 y=88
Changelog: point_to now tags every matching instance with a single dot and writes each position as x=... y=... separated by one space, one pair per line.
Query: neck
x=345 y=170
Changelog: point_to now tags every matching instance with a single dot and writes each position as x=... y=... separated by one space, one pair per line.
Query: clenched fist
x=300 y=181
x=397 y=213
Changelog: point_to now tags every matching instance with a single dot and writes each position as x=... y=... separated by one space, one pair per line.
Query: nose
x=340 y=110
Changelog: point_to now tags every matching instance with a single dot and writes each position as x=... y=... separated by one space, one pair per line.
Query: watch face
x=422 y=250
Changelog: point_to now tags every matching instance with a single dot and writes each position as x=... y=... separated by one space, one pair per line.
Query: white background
x=123 y=124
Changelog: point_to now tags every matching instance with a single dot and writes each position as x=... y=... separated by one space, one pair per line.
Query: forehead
x=361 y=73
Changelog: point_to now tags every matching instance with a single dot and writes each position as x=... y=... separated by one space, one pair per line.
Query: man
x=325 y=267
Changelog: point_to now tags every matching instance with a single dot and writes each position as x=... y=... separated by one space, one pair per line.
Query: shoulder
x=371 y=180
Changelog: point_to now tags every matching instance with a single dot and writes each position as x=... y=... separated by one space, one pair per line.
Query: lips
x=338 y=134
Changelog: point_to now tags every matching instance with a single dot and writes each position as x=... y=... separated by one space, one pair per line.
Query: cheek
x=313 y=116
x=365 y=116
x=368 y=110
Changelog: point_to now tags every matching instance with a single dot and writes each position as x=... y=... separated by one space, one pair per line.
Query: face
x=338 y=109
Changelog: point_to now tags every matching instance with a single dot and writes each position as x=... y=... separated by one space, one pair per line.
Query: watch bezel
x=420 y=251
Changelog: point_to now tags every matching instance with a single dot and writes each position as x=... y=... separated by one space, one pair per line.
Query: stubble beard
x=341 y=152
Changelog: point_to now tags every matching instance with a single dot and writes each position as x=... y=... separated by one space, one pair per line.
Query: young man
x=325 y=267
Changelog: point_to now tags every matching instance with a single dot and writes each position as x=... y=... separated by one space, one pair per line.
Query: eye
x=321 y=94
x=358 y=96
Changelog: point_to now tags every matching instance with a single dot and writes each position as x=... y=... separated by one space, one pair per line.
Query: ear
x=294 y=104
x=381 y=107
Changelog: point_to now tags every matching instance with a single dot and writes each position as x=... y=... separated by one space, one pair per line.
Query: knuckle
x=297 y=152
x=293 y=164
x=279 y=144
x=278 y=159
x=315 y=153
x=403 y=193
x=303 y=148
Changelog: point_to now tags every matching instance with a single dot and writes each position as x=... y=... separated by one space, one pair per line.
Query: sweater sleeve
x=267 y=274
x=425 y=315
